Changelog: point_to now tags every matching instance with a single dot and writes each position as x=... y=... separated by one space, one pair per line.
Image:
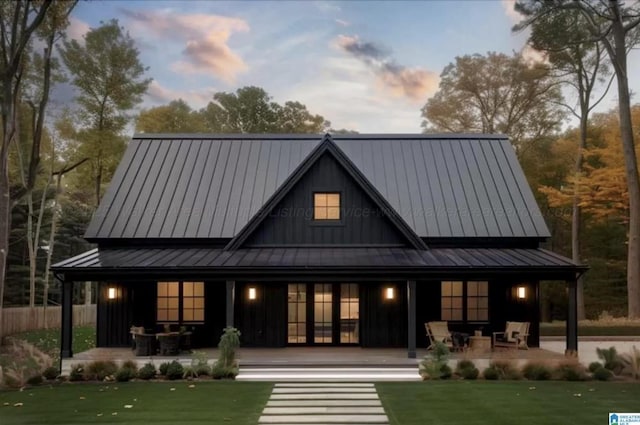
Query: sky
x=367 y=66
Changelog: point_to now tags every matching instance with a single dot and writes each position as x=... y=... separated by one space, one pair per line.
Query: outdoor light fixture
x=522 y=292
x=252 y=293
x=390 y=293
x=111 y=293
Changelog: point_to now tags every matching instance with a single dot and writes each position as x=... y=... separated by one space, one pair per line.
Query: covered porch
x=129 y=278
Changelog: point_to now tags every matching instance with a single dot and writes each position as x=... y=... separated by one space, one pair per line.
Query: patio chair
x=143 y=343
x=514 y=336
x=438 y=332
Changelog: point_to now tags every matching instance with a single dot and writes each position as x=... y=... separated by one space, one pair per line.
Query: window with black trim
x=464 y=301
x=180 y=302
x=326 y=206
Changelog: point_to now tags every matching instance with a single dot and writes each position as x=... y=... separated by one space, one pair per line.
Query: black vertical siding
x=208 y=335
x=114 y=316
x=383 y=322
x=291 y=222
x=263 y=321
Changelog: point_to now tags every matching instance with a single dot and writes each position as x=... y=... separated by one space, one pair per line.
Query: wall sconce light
x=111 y=293
x=522 y=292
x=390 y=293
x=252 y=293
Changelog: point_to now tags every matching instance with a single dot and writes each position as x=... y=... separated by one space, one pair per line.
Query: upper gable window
x=326 y=206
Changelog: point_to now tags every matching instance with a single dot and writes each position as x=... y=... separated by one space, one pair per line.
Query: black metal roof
x=220 y=261
x=197 y=186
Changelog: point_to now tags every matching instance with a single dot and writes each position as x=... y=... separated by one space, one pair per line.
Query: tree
x=495 y=93
x=580 y=66
x=109 y=79
x=615 y=25
x=176 y=117
x=19 y=21
x=251 y=110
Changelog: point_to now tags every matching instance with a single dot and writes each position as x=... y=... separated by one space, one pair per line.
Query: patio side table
x=480 y=344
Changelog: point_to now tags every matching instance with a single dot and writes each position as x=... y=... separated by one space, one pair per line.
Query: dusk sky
x=364 y=65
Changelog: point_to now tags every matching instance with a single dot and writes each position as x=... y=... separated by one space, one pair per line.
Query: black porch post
x=67 y=319
x=231 y=296
x=572 y=318
x=411 y=326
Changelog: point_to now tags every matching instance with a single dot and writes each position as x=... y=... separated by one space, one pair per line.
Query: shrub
x=125 y=374
x=163 y=368
x=491 y=373
x=506 y=370
x=189 y=373
x=50 y=373
x=432 y=366
x=146 y=372
x=77 y=372
x=631 y=363
x=610 y=359
x=222 y=372
x=228 y=345
x=130 y=364
x=174 y=370
x=467 y=370
x=593 y=366
x=24 y=361
x=571 y=371
x=35 y=380
x=100 y=369
x=536 y=372
x=203 y=370
x=602 y=374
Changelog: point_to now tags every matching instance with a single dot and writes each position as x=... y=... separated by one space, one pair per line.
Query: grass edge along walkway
x=179 y=402
x=506 y=402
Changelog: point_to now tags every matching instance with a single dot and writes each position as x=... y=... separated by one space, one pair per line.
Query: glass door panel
x=349 y=313
x=297 y=313
x=322 y=313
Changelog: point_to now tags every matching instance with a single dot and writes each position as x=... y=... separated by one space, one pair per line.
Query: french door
x=323 y=313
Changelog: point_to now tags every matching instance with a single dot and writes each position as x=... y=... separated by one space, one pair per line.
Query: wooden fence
x=21 y=319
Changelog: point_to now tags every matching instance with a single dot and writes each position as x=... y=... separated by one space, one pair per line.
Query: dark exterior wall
x=291 y=222
x=503 y=306
x=383 y=322
x=114 y=317
x=263 y=321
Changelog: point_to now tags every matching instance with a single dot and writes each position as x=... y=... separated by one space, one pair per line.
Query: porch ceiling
x=273 y=260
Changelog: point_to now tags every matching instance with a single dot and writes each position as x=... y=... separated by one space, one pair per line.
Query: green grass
x=152 y=403
x=48 y=340
x=496 y=403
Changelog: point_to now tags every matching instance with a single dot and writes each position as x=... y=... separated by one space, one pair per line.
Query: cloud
x=510 y=11
x=532 y=56
x=327 y=6
x=158 y=94
x=205 y=37
x=415 y=84
x=343 y=23
x=77 y=28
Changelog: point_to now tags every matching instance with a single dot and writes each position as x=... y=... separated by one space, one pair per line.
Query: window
x=297 y=313
x=465 y=301
x=326 y=206
x=180 y=302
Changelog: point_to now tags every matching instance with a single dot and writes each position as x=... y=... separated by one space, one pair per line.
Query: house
x=317 y=240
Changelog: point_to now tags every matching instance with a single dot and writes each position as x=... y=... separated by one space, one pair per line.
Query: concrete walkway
x=324 y=403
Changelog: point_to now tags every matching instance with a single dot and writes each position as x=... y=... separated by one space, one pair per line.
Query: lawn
x=48 y=340
x=515 y=402
x=151 y=403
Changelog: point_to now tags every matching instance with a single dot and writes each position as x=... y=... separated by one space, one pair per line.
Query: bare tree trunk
x=619 y=60
x=32 y=248
x=576 y=213
x=52 y=237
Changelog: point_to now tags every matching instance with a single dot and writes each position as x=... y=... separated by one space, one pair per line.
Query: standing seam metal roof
x=209 y=186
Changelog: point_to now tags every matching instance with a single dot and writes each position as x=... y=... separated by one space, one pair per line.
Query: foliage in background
x=434 y=365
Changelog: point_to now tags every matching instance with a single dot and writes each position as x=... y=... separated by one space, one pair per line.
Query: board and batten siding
x=291 y=221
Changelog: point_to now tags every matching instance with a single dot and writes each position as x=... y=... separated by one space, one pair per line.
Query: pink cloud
x=205 y=38
x=415 y=84
x=77 y=28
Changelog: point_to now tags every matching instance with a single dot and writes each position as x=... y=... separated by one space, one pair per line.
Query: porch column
x=572 y=318
x=66 y=336
x=231 y=297
x=411 y=326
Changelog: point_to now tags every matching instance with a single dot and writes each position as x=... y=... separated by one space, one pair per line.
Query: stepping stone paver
x=323 y=403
